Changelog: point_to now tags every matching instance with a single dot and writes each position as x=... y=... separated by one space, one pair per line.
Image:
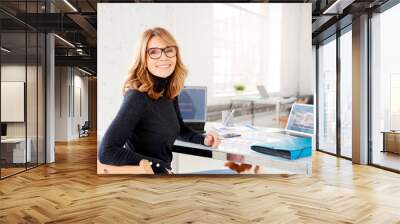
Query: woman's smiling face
x=160 y=57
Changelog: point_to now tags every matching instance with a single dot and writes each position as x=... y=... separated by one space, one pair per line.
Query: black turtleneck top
x=145 y=129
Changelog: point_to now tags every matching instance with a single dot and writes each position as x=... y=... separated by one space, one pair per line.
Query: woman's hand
x=212 y=139
x=239 y=168
x=243 y=167
x=235 y=163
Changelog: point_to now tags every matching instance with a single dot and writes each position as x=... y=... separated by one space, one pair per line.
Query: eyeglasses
x=155 y=53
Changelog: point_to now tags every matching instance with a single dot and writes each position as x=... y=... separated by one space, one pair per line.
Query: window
x=346 y=94
x=334 y=138
x=394 y=101
x=327 y=96
x=385 y=87
x=243 y=54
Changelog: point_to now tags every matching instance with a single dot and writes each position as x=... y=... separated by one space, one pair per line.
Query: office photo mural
x=201 y=89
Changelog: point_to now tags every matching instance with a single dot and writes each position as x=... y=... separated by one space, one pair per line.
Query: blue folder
x=289 y=148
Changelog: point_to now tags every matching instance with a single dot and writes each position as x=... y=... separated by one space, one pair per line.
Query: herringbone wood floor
x=70 y=191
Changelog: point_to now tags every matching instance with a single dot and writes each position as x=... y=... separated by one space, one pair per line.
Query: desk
x=391 y=141
x=240 y=146
x=17 y=150
x=278 y=101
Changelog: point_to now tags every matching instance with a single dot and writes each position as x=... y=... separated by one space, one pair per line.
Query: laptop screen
x=193 y=104
x=262 y=91
x=301 y=119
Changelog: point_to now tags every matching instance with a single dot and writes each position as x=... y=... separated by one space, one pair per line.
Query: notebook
x=289 y=148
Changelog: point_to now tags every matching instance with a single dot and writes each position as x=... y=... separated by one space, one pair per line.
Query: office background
x=355 y=55
x=73 y=49
x=334 y=47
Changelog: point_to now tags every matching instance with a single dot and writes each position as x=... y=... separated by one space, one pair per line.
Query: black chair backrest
x=85 y=125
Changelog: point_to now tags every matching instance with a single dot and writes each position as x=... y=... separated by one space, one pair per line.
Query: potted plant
x=239 y=88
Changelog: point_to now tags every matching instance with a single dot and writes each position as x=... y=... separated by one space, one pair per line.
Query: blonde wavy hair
x=139 y=77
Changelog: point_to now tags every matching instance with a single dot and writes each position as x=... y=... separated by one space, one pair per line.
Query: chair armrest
x=143 y=168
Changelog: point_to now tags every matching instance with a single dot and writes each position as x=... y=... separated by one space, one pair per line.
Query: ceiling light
x=84 y=71
x=65 y=41
x=70 y=5
x=338 y=6
x=5 y=50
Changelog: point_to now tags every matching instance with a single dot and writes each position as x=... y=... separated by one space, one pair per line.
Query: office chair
x=143 y=168
x=84 y=130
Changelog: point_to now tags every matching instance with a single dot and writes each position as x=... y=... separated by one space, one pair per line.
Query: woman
x=149 y=120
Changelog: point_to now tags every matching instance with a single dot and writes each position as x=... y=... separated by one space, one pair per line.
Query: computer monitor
x=301 y=119
x=193 y=104
x=3 y=129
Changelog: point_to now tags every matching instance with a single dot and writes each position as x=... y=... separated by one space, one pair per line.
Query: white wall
x=314 y=68
x=68 y=81
x=61 y=103
x=307 y=75
x=12 y=73
x=33 y=126
x=197 y=58
x=120 y=25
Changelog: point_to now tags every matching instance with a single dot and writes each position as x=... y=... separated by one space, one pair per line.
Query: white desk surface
x=241 y=146
x=260 y=99
x=13 y=140
x=21 y=153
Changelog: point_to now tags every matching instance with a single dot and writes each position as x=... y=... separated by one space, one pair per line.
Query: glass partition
x=13 y=99
x=22 y=87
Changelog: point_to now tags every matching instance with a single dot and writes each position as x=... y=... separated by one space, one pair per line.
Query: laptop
x=262 y=91
x=265 y=95
x=300 y=121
